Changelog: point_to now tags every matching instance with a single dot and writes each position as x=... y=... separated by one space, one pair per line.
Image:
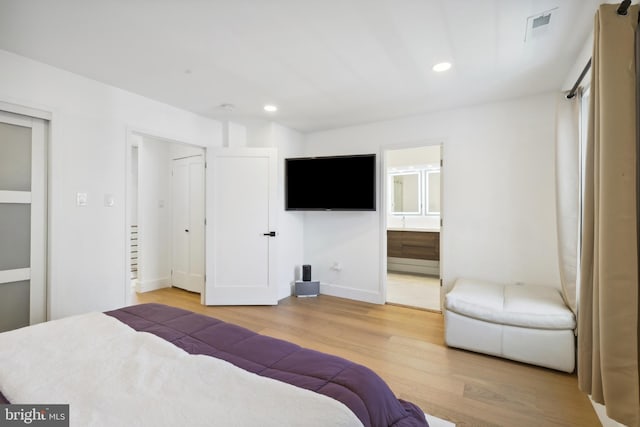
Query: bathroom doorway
x=412 y=195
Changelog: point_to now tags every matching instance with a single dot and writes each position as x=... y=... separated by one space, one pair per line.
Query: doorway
x=412 y=195
x=166 y=214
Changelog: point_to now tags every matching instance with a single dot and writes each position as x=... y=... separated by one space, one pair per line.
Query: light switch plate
x=81 y=199
x=109 y=200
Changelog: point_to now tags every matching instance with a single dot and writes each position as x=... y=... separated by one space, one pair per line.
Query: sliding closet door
x=22 y=221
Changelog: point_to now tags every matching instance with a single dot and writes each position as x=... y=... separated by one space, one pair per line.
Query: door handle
x=186 y=231
x=270 y=234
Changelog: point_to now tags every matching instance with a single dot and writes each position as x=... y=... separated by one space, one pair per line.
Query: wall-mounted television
x=336 y=183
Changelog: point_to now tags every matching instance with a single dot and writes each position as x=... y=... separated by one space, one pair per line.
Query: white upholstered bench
x=527 y=323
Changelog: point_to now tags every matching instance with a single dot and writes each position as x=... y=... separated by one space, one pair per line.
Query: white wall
x=235 y=135
x=133 y=177
x=88 y=269
x=414 y=156
x=154 y=215
x=498 y=188
x=498 y=199
x=177 y=151
x=581 y=61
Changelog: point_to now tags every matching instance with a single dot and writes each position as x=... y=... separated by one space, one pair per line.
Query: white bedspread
x=112 y=375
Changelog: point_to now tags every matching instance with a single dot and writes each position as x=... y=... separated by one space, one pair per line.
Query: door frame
x=384 y=203
x=133 y=132
x=45 y=226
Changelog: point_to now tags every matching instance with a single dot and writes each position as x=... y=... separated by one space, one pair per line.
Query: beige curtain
x=568 y=192
x=608 y=305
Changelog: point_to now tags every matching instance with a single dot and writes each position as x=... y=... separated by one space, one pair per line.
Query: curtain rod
x=622 y=10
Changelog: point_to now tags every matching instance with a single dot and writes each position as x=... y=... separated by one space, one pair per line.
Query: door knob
x=186 y=231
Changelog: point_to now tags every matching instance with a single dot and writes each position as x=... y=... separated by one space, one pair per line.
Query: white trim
x=15 y=196
x=39 y=203
x=351 y=293
x=15 y=119
x=17 y=275
x=601 y=412
x=152 y=285
x=25 y=111
x=150 y=133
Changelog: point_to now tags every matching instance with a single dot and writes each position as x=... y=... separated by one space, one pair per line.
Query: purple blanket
x=356 y=386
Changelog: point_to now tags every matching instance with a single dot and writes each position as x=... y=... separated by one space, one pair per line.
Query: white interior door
x=23 y=222
x=187 y=190
x=241 y=212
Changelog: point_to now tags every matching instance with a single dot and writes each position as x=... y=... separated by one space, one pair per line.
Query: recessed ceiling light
x=270 y=108
x=442 y=66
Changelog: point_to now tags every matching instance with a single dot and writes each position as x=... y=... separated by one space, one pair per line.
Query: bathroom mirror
x=405 y=193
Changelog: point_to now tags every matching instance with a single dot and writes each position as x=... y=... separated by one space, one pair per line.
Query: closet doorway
x=413 y=226
x=187 y=222
x=167 y=214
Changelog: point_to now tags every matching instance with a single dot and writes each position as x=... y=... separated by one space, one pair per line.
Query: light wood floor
x=413 y=290
x=406 y=348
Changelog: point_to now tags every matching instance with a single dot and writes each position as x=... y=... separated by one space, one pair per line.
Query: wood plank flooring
x=406 y=348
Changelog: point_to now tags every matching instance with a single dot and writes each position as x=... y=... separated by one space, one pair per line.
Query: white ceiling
x=324 y=63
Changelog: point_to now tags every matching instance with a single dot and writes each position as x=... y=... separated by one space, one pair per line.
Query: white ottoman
x=527 y=323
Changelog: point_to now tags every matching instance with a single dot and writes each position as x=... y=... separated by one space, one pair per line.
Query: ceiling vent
x=541 y=20
x=538 y=24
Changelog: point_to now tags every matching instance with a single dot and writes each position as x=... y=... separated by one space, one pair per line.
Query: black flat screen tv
x=336 y=183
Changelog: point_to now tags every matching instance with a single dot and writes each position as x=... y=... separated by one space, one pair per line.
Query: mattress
x=356 y=386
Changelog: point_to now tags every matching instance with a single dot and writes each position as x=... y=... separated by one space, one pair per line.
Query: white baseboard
x=152 y=285
x=373 y=297
x=601 y=411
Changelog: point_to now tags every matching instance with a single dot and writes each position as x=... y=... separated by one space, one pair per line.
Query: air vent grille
x=541 y=20
x=538 y=24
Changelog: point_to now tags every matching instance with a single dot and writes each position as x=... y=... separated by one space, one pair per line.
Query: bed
x=152 y=364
